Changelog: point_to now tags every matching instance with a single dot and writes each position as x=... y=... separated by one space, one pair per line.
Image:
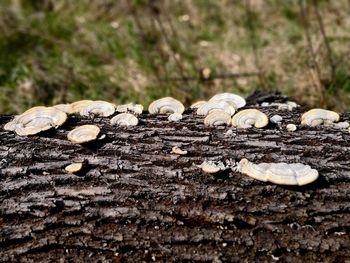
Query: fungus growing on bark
x=291 y=127
x=83 y=134
x=130 y=107
x=35 y=120
x=341 y=125
x=276 y=119
x=206 y=108
x=317 y=117
x=74 y=168
x=98 y=108
x=77 y=106
x=279 y=173
x=248 y=118
x=67 y=108
x=175 y=117
x=217 y=117
x=197 y=104
x=212 y=168
x=124 y=119
x=235 y=100
x=177 y=150
x=166 y=105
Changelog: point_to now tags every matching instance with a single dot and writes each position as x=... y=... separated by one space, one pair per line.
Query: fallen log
x=136 y=201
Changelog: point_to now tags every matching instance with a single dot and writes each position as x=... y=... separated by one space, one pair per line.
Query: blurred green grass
x=57 y=51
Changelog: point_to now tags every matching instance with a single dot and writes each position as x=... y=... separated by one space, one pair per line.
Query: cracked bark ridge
x=136 y=201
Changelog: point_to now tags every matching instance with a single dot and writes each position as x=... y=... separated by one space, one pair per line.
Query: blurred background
x=57 y=51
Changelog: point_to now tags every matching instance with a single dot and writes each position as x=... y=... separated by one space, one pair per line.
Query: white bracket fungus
x=83 y=134
x=98 y=108
x=175 y=117
x=276 y=119
x=130 y=107
x=291 y=127
x=166 y=105
x=36 y=120
x=124 y=119
x=74 y=168
x=197 y=104
x=212 y=168
x=317 y=117
x=217 y=117
x=206 y=108
x=177 y=150
x=233 y=99
x=77 y=106
x=248 y=118
x=279 y=173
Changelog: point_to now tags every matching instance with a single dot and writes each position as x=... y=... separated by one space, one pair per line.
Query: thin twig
x=325 y=39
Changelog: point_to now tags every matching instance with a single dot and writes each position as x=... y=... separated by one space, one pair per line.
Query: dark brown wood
x=136 y=201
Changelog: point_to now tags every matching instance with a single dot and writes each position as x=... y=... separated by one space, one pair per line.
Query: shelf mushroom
x=35 y=120
x=206 y=108
x=83 y=134
x=130 y=107
x=212 y=168
x=74 y=168
x=197 y=104
x=233 y=99
x=175 y=117
x=317 y=117
x=98 y=108
x=77 y=106
x=166 y=105
x=217 y=117
x=247 y=118
x=124 y=119
x=279 y=173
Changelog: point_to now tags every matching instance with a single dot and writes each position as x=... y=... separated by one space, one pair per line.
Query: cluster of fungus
x=221 y=109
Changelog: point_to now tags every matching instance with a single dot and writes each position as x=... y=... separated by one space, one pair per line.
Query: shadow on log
x=138 y=202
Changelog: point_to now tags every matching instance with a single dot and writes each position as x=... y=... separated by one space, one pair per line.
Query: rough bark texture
x=137 y=202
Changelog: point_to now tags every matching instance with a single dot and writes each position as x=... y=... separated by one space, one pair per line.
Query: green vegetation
x=56 y=51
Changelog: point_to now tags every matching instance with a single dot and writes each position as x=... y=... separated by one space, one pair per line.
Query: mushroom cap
x=83 y=134
x=291 y=127
x=197 y=104
x=217 y=117
x=206 y=108
x=124 y=119
x=67 y=108
x=77 y=106
x=279 y=173
x=74 y=168
x=316 y=117
x=236 y=100
x=99 y=108
x=341 y=125
x=175 y=117
x=132 y=107
x=35 y=120
x=166 y=105
x=177 y=150
x=249 y=117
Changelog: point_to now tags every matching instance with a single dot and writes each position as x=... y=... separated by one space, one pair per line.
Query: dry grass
x=55 y=51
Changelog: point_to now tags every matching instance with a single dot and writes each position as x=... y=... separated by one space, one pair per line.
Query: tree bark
x=135 y=201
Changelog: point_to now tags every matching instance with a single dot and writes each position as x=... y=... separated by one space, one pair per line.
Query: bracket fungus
x=276 y=119
x=130 y=107
x=291 y=127
x=166 y=105
x=217 y=117
x=124 y=119
x=67 y=108
x=98 y=108
x=206 y=108
x=212 y=168
x=175 y=117
x=74 y=168
x=197 y=104
x=317 y=117
x=36 y=120
x=247 y=118
x=177 y=150
x=233 y=99
x=77 y=106
x=83 y=134
x=279 y=173
x=341 y=125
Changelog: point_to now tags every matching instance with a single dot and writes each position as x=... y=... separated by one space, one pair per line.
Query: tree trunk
x=135 y=201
